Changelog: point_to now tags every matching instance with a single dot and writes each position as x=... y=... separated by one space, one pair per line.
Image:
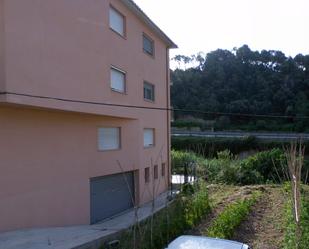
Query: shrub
x=263 y=167
x=223 y=169
x=209 y=147
x=194 y=123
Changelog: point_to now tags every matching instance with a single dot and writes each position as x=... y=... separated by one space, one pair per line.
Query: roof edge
x=141 y=14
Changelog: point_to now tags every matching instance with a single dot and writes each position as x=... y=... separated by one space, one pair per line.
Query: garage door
x=111 y=195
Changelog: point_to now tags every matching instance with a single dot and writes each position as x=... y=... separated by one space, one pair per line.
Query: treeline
x=246 y=82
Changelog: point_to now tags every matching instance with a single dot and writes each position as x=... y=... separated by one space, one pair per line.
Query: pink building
x=76 y=147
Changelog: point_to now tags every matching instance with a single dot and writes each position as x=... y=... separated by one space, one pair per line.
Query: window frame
x=156 y=172
x=163 y=169
x=153 y=45
x=153 y=138
x=112 y=67
x=119 y=139
x=153 y=91
x=147 y=175
x=124 y=35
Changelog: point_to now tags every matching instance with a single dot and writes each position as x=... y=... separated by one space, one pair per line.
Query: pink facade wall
x=48 y=148
x=47 y=159
x=65 y=48
x=2 y=82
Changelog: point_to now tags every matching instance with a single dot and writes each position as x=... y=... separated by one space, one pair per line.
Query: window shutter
x=148 y=45
x=109 y=138
x=148 y=137
x=117 y=80
x=149 y=91
x=116 y=21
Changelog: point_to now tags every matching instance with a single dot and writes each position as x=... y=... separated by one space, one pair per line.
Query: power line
x=156 y=108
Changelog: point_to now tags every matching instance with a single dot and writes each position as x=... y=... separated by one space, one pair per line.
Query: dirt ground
x=263 y=228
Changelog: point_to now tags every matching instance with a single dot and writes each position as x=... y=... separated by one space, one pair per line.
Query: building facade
x=84 y=125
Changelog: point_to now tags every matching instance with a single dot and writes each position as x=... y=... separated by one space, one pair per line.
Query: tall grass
x=181 y=214
x=290 y=241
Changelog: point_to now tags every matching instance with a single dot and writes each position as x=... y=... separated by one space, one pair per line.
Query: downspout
x=2 y=50
x=168 y=119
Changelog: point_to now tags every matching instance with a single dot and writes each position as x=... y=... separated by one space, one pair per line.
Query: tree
x=244 y=81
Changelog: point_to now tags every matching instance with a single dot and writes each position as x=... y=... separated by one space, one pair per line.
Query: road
x=241 y=134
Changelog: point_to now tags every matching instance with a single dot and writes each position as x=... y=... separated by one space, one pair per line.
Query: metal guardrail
x=237 y=134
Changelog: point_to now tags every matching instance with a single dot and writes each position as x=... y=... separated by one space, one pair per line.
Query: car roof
x=199 y=242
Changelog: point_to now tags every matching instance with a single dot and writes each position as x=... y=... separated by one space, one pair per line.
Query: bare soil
x=263 y=228
x=221 y=196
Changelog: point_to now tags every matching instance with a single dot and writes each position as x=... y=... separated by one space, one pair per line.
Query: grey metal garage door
x=111 y=195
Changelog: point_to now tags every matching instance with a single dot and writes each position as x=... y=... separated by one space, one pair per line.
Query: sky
x=206 y=25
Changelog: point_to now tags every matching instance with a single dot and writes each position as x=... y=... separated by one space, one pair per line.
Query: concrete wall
x=2 y=57
x=48 y=157
x=65 y=48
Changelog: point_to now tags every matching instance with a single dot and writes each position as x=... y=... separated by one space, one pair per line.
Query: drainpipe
x=168 y=118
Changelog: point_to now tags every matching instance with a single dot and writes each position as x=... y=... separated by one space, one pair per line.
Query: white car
x=199 y=242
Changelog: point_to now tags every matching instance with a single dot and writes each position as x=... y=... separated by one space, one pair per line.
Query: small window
x=118 y=80
x=148 y=45
x=116 y=21
x=163 y=169
x=155 y=172
x=147 y=175
x=149 y=91
x=148 y=138
x=109 y=138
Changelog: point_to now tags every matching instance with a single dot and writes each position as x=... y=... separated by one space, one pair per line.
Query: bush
x=266 y=166
x=260 y=168
x=209 y=147
x=180 y=159
x=190 y=123
x=223 y=169
x=263 y=167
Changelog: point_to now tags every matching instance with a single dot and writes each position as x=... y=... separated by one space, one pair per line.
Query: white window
x=148 y=137
x=118 y=80
x=116 y=21
x=109 y=138
x=149 y=91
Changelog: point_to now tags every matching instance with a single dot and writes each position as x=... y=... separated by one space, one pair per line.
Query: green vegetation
x=260 y=168
x=290 y=233
x=231 y=217
x=193 y=123
x=182 y=214
x=263 y=167
x=209 y=147
x=245 y=81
